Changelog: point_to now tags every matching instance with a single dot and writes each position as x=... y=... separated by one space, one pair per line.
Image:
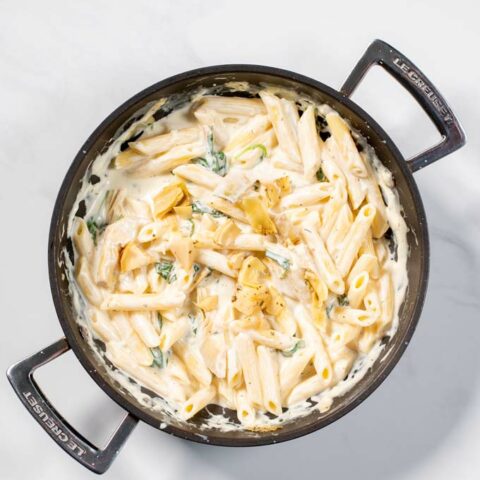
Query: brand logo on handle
x=51 y=424
x=415 y=78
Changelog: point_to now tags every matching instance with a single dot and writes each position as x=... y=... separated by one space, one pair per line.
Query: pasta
x=238 y=258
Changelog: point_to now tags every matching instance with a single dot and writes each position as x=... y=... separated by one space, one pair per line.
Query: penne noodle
x=162 y=143
x=313 y=339
x=215 y=261
x=374 y=196
x=304 y=390
x=245 y=410
x=342 y=225
x=357 y=290
x=309 y=195
x=354 y=238
x=82 y=239
x=367 y=248
x=353 y=316
x=246 y=134
x=269 y=379
x=194 y=363
x=284 y=118
x=172 y=332
x=324 y=263
x=291 y=370
x=199 y=175
x=365 y=263
x=344 y=141
x=197 y=401
x=234 y=106
x=356 y=190
x=102 y=325
x=310 y=143
x=143 y=302
x=169 y=160
x=386 y=295
x=248 y=360
x=142 y=323
x=91 y=292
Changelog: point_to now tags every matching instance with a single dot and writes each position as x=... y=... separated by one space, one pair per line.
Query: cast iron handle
x=424 y=92
x=20 y=376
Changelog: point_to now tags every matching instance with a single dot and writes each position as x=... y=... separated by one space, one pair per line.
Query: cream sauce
x=93 y=196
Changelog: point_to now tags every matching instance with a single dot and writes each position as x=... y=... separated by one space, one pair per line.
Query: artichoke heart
x=183 y=250
x=251 y=299
x=257 y=214
x=134 y=257
x=227 y=233
x=252 y=272
x=169 y=197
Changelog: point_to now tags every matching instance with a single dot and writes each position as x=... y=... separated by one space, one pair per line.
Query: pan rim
x=280 y=435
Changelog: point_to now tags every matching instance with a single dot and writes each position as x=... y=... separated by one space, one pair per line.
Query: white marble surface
x=65 y=65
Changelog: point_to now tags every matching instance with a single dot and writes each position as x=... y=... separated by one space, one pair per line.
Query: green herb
x=282 y=261
x=289 y=353
x=196 y=269
x=262 y=148
x=343 y=300
x=214 y=160
x=198 y=207
x=165 y=270
x=320 y=175
x=201 y=161
x=160 y=359
x=329 y=308
x=193 y=322
x=95 y=229
x=192 y=226
x=159 y=321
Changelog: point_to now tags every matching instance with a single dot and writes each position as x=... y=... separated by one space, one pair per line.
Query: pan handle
x=95 y=459
x=424 y=92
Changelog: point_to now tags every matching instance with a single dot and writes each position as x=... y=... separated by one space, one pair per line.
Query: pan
x=215 y=78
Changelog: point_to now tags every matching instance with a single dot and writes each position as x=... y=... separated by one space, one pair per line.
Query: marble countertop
x=66 y=65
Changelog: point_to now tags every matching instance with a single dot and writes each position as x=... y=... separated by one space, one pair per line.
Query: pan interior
x=178 y=90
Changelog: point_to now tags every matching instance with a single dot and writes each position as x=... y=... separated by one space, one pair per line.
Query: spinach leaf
x=165 y=269
x=343 y=300
x=282 y=261
x=196 y=269
x=198 y=207
x=201 y=161
x=320 y=175
x=214 y=160
x=262 y=148
x=95 y=229
x=217 y=160
x=329 y=309
x=289 y=353
x=160 y=359
x=193 y=322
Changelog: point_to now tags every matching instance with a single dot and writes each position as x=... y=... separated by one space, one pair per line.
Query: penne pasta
x=324 y=263
x=354 y=238
x=343 y=139
x=197 y=401
x=143 y=302
x=269 y=379
x=310 y=143
x=236 y=250
x=248 y=360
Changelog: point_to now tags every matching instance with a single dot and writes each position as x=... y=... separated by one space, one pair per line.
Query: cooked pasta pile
x=240 y=260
